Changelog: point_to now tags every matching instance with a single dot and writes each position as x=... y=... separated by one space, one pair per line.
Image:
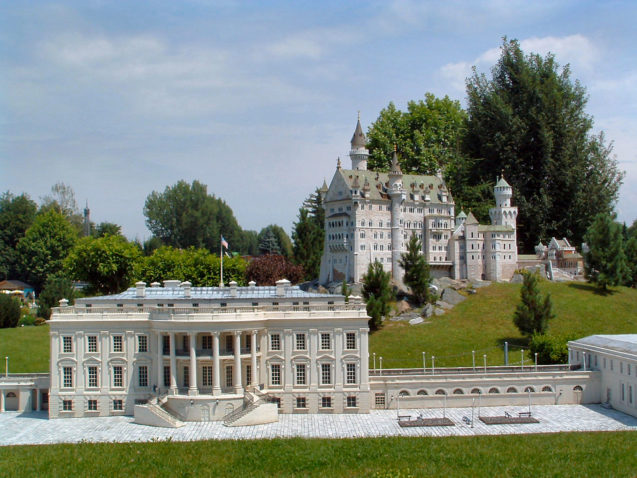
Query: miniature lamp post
x=374 y=355
x=473 y=356
x=433 y=365
x=381 y=365
x=522 y=359
x=6 y=366
x=485 y=362
x=424 y=363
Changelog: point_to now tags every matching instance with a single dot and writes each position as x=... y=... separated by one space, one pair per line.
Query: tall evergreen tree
x=281 y=238
x=268 y=243
x=417 y=276
x=605 y=260
x=378 y=293
x=308 y=244
x=533 y=313
x=529 y=120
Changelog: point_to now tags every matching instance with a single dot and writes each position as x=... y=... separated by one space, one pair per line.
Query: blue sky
x=258 y=99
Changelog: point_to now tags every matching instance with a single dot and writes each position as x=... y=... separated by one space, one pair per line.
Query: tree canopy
x=528 y=120
x=533 y=313
x=185 y=215
x=17 y=214
x=417 y=276
x=274 y=240
x=269 y=268
x=606 y=264
x=377 y=292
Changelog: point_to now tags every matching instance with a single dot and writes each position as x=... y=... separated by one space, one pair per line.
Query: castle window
x=362 y=247
x=362 y=235
x=380 y=207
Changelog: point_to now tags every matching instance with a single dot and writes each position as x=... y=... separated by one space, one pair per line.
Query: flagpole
x=221 y=255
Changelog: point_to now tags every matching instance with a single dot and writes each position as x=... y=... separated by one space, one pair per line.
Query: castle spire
x=395 y=166
x=359 y=153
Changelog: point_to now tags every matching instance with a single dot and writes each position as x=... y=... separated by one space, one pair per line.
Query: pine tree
x=533 y=313
x=268 y=243
x=417 y=276
x=378 y=293
x=606 y=263
x=308 y=244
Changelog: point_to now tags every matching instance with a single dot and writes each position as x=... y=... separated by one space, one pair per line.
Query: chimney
x=282 y=286
x=155 y=285
x=64 y=303
x=140 y=289
x=233 y=289
x=171 y=284
x=186 y=286
x=252 y=284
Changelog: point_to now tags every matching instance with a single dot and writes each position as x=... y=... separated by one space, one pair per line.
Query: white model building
x=370 y=216
x=203 y=348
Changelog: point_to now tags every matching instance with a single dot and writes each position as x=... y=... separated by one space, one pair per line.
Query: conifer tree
x=533 y=313
x=378 y=293
x=605 y=262
x=308 y=244
x=268 y=243
x=417 y=276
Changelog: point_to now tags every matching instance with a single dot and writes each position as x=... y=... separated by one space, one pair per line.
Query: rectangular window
x=166 y=344
x=351 y=401
x=326 y=402
x=206 y=342
x=142 y=343
x=186 y=376
x=118 y=405
x=67 y=344
x=301 y=402
x=186 y=342
x=229 y=344
x=92 y=343
x=275 y=342
x=379 y=400
x=67 y=381
x=350 y=341
x=326 y=341
x=300 y=342
x=117 y=343
x=248 y=374
x=351 y=373
x=326 y=374
x=92 y=376
x=166 y=375
x=301 y=374
x=206 y=376
x=142 y=376
x=118 y=376
x=92 y=405
x=229 y=376
x=67 y=405
x=275 y=374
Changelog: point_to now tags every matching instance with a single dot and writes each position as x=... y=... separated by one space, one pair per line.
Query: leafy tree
x=9 y=311
x=533 y=313
x=378 y=293
x=17 y=213
x=550 y=349
x=308 y=244
x=417 y=276
x=55 y=288
x=250 y=243
x=62 y=200
x=44 y=247
x=106 y=263
x=151 y=245
x=185 y=215
x=631 y=259
x=197 y=266
x=345 y=290
x=427 y=135
x=274 y=240
x=605 y=261
x=269 y=268
x=107 y=228
x=529 y=121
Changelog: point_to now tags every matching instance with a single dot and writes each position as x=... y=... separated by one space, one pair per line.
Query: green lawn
x=484 y=321
x=26 y=347
x=562 y=454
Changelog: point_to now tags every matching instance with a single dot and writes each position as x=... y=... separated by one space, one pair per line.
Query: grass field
x=562 y=454
x=26 y=347
x=484 y=321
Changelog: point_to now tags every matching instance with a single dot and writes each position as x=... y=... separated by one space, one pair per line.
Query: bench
x=524 y=414
x=404 y=417
x=467 y=420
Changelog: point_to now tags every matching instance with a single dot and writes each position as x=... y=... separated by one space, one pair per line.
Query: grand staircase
x=152 y=413
x=258 y=408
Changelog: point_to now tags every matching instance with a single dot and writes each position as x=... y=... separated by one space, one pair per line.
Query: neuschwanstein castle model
x=370 y=215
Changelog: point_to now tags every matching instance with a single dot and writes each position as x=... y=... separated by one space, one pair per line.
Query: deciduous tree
x=17 y=214
x=269 y=268
x=55 y=288
x=9 y=311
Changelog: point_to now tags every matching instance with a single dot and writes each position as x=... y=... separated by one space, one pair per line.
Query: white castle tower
x=503 y=214
x=359 y=152
x=396 y=193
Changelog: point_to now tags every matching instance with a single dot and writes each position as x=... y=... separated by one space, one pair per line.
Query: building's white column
x=313 y=371
x=216 y=377
x=78 y=348
x=37 y=400
x=192 y=389
x=288 y=371
x=2 y=398
x=253 y=349
x=363 y=377
x=160 y=362
x=173 y=365
x=238 y=388
x=338 y=359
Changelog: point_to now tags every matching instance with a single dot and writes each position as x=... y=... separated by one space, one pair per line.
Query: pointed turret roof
x=462 y=215
x=395 y=167
x=359 y=140
x=502 y=183
x=324 y=188
x=471 y=219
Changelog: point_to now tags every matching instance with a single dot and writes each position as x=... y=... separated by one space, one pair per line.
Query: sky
x=258 y=99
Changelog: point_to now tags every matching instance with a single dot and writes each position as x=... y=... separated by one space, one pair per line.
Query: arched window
x=403 y=393
x=577 y=388
x=440 y=391
x=494 y=390
x=512 y=390
x=11 y=395
x=476 y=391
x=422 y=392
x=458 y=391
x=546 y=388
x=529 y=389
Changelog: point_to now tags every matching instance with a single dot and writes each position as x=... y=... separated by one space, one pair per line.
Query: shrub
x=269 y=268
x=550 y=349
x=55 y=288
x=9 y=311
x=39 y=321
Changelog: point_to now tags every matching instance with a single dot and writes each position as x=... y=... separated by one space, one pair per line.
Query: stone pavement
x=36 y=428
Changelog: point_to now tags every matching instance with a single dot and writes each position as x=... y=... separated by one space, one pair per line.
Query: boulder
x=517 y=279
x=439 y=311
x=427 y=310
x=402 y=306
x=452 y=297
x=416 y=321
x=444 y=305
x=322 y=290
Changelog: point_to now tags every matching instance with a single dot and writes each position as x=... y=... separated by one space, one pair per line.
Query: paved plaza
x=36 y=428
